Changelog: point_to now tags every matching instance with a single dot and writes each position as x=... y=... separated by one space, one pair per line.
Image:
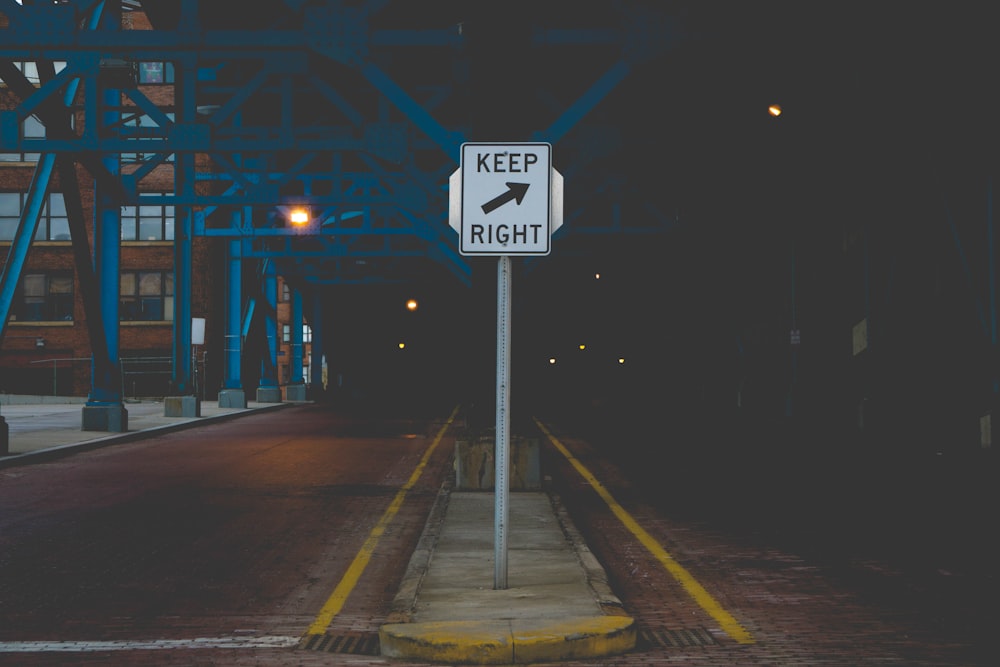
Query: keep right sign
x=505 y=199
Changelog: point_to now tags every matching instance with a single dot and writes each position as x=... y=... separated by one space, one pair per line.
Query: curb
x=59 y=451
x=504 y=641
x=509 y=642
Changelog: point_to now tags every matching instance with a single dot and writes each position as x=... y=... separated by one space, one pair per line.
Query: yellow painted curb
x=504 y=642
x=573 y=638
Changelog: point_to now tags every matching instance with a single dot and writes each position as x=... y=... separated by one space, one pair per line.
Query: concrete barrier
x=475 y=464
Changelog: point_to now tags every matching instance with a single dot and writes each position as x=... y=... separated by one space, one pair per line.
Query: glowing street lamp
x=299 y=216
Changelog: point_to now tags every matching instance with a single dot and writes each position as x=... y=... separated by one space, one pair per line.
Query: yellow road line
x=681 y=575
x=339 y=596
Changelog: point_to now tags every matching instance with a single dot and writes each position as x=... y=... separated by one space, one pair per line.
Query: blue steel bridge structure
x=355 y=110
x=761 y=233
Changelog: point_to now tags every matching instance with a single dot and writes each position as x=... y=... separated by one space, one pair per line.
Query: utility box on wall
x=475 y=464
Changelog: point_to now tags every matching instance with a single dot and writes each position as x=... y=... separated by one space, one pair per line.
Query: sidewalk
x=557 y=605
x=39 y=430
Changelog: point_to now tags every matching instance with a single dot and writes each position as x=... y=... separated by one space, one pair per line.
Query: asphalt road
x=219 y=545
x=234 y=532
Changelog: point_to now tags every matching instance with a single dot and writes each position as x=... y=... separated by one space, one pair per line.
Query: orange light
x=299 y=216
x=411 y=304
x=774 y=110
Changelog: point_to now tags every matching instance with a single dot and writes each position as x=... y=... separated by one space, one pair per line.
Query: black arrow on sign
x=514 y=191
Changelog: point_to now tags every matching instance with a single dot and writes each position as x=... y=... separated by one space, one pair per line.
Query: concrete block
x=269 y=394
x=295 y=392
x=233 y=398
x=113 y=418
x=475 y=464
x=181 y=406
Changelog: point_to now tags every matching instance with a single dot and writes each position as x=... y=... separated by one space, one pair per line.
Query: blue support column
x=105 y=410
x=182 y=304
x=316 y=365
x=187 y=401
x=296 y=389
x=232 y=394
x=268 y=390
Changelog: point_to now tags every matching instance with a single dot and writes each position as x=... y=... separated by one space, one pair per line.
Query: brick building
x=46 y=349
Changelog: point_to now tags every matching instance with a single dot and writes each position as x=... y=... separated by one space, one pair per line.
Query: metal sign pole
x=502 y=488
x=504 y=199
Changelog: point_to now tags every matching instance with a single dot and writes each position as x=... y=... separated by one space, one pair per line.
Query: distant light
x=583 y=346
x=402 y=345
x=621 y=360
x=298 y=216
x=774 y=110
x=552 y=361
x=597 y=276
x=411 y=304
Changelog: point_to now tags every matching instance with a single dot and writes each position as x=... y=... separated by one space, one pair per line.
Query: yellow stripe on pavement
x=681 y=575
x=339 y=596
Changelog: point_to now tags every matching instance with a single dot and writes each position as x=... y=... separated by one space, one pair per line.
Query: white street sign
x=505 y=199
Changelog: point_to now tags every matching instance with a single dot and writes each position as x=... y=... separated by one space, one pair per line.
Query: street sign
x=505 y=199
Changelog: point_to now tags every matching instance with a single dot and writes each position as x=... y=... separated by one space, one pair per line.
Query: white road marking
x=148 y=644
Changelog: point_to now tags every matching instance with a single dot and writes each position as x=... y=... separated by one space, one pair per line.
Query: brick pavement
x=801 y=608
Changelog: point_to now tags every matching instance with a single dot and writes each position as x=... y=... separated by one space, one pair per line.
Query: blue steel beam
x=183 y=359
x=75 y=217
x=342 y=34
x=317 y=323
x=297 y=322
x=83 y=258
x=27 y=225
x=233 y=352
x=268 y=282
x=106 y=380
x=449 y=141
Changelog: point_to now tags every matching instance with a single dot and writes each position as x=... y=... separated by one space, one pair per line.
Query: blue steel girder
x=372 y=241
x=299 y=62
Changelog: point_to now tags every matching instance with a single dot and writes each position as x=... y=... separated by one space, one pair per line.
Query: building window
x=53 y=223
x=307 y=333
x=286 y=333
x=44 y=297
x=30 y=69
x=147 y=223
x=31 y=128
x=153 y=72
x=286 y=292
x=146 y=296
